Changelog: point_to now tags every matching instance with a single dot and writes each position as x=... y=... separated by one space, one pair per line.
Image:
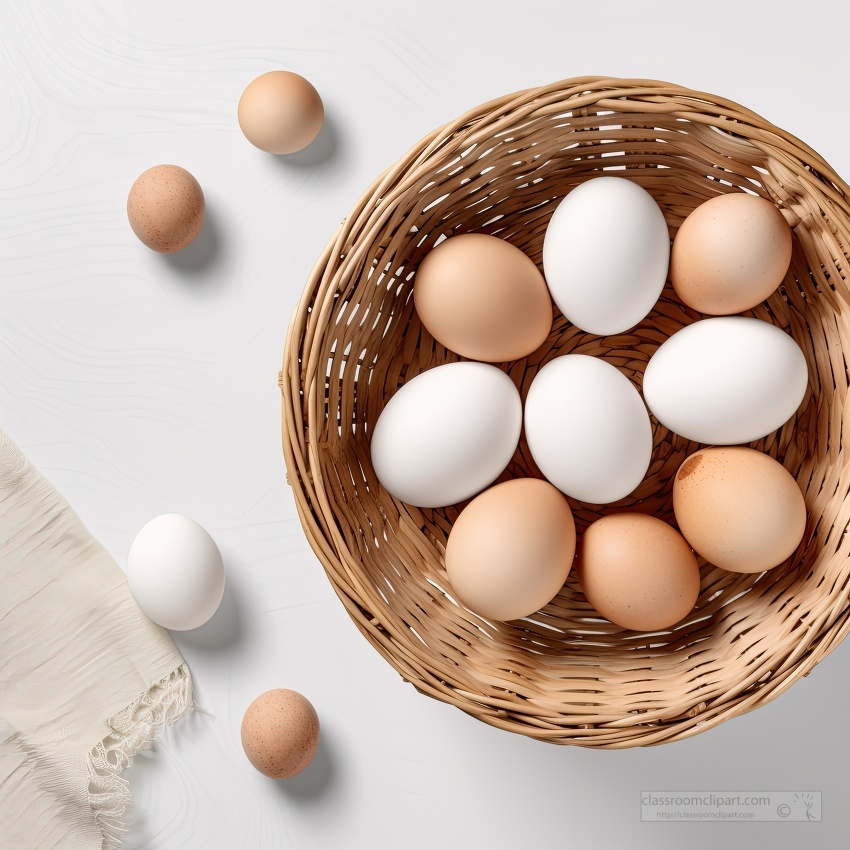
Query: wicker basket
x=566 y=675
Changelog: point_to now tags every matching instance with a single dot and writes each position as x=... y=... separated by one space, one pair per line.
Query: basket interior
x=566 y=674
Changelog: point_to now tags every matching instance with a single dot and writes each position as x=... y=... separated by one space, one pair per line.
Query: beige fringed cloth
x=86 y=680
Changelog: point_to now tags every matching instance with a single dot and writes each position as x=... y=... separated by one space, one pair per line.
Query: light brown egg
x=730 y=254
x=637 y=571
x=280 y=112
x=280 y=733
x=511 y=549
x=739 y=508
x=483 y=298
x=166 y=208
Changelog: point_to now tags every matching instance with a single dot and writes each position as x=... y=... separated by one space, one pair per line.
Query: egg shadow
x=317 y=778
x=320 y=151
x=202 y=252
x=224 y=628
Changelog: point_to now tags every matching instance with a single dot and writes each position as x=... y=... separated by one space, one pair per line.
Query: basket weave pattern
x=566 y=675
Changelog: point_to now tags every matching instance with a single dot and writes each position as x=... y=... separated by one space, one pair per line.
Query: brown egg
x=280 y=733
x=730 y=254
x=280 y=112
x=483 y=298
x=166 y=208
x=637 y=571
x=739 y=508
x=511 y=549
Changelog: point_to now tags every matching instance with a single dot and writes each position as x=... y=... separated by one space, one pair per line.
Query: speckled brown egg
x=280 y=733
x=730 y=254
x=637 y=571
x=280 y=112
x=739 y=508
x=166 y=208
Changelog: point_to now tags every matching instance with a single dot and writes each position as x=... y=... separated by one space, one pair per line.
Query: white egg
x=447 y=434
x=175 y=572
x=605 y=255
x=587 y=428
x=726 y=380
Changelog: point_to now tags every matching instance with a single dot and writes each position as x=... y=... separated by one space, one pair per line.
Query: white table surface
x=142 y=384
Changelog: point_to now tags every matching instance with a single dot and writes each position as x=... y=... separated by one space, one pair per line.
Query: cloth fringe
x=134 y=728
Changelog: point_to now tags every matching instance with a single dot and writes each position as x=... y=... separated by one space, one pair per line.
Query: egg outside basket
x=565 y=675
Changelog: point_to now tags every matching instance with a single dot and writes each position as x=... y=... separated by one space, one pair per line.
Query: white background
x=143 y=384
